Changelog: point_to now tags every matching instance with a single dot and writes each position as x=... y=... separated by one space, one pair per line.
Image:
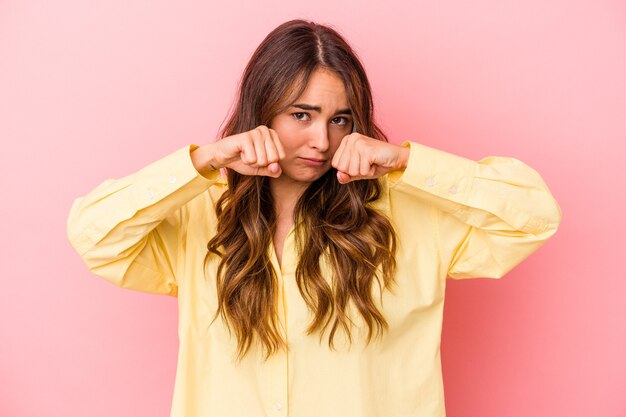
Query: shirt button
x=453 y=189
x=150 y=194
x=279 y=406
x=172 y=179
x=430 y=181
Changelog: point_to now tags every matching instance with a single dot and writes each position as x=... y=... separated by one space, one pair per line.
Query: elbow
x=546 y=220
x=555 y=218
x=76 y=231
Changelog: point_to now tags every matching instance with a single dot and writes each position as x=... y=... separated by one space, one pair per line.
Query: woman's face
x=312 y=128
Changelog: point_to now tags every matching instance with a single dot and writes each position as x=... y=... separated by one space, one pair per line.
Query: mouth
x=313 y=161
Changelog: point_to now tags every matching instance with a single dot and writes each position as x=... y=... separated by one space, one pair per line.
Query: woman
x=310 y=279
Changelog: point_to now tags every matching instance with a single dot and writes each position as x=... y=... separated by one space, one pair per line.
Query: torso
x=282 y=229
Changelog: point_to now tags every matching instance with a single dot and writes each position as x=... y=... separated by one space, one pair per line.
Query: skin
x=309 y=134
x=279 y=150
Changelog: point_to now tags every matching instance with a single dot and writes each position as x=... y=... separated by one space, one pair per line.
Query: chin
x=306 y=176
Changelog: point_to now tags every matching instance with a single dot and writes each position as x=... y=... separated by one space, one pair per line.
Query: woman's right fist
x=255 y=152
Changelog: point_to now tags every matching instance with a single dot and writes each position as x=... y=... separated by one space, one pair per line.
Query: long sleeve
x=491 y=214
x=129 y=230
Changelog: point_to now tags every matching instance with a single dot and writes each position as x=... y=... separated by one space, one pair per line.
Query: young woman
x=311 y=277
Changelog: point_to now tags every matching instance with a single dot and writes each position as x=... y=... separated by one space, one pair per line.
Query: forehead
x=324 y=87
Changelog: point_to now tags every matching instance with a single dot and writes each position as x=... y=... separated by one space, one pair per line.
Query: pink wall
x=92 y=90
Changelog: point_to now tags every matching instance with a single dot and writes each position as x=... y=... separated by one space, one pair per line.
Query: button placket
x=278 y=384
x=278 y=367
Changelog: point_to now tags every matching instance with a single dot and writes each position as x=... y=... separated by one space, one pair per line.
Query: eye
x=298 y=114
x=345 y=121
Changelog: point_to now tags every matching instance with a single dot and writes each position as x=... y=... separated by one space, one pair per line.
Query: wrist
x=203 y=159
x=403 y=158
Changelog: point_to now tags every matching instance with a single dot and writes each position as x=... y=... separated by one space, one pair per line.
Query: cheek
x=288 y=138
x=334 y=144
x=282 y=129
x=289 y=145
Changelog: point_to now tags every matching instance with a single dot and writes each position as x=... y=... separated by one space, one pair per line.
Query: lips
x=313 y=162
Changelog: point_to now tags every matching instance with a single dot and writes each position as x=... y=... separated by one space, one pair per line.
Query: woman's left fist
x=361 y=157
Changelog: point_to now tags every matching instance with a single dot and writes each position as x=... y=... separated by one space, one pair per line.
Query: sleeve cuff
x=169 y=174
x=434 y=171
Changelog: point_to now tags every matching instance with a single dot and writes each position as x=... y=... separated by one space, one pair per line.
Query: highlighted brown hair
x=334 y=221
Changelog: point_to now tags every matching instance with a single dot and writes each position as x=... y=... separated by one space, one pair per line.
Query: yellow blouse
x=454 y=217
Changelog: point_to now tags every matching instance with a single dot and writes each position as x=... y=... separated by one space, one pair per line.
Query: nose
x=319 y=138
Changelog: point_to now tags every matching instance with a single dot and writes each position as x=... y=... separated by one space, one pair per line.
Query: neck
x=285 y=193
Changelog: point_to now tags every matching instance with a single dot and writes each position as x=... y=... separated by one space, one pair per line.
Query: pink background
x=96 y=90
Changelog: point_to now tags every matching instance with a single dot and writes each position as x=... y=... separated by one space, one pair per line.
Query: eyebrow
x=319 y=109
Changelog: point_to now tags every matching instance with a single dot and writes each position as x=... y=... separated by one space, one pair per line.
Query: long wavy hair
x=333 y=220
